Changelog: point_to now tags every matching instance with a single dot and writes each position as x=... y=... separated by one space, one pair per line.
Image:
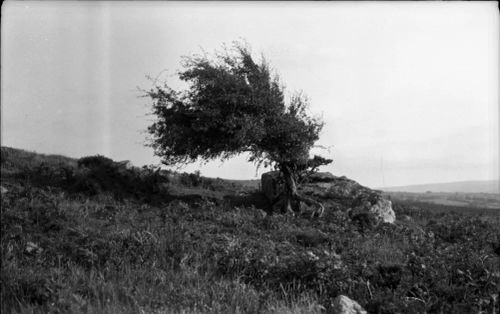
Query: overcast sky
x=409 y=91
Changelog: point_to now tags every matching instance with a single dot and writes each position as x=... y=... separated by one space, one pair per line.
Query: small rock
x=381 y=210
x=312 y=256
x=337 y=261
x=260 y=213
x=3 y=190
x=32 y=248
x=344 y=305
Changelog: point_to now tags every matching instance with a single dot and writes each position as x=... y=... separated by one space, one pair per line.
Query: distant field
x=449 y=202
x=436 y=208
x=473 y=200
x=486 y=186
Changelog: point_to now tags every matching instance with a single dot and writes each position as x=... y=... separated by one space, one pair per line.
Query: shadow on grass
x=255 y=198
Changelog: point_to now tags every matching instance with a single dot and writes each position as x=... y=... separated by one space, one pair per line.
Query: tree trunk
x=290 y=199
x=290 y=191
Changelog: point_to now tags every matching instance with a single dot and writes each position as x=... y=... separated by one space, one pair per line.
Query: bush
x=98 y=174
x=191 y=179
x=46 y=174
x=97 y=161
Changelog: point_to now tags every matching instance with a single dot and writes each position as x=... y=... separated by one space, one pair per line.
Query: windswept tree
x=235 y=105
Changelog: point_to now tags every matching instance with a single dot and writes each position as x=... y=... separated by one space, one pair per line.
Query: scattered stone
x=312 y=256
x=344 y=305
x=337 y=261
x=33 y=248
x=260 y=213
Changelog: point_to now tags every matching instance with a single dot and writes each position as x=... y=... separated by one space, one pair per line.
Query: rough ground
x=87 y=241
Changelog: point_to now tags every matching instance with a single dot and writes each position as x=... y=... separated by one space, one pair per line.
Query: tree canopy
x=233 y=105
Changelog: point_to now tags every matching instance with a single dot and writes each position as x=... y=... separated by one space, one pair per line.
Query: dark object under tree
x=234 y=105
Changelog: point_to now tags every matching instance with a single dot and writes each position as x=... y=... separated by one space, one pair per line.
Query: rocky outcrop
x=344 y=305
x=338 y=193
x=348 y=195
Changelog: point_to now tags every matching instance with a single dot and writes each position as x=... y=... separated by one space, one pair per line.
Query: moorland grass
x=70 y=251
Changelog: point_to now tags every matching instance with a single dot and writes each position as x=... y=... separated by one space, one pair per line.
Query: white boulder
x=343 y=305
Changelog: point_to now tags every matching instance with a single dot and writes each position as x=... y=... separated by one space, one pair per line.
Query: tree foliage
x=233 y=105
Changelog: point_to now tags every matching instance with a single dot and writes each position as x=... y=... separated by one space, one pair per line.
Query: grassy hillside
x=107 y=240
x=13 y=159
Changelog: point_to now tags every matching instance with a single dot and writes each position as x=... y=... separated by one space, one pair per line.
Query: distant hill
x=491 y=186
